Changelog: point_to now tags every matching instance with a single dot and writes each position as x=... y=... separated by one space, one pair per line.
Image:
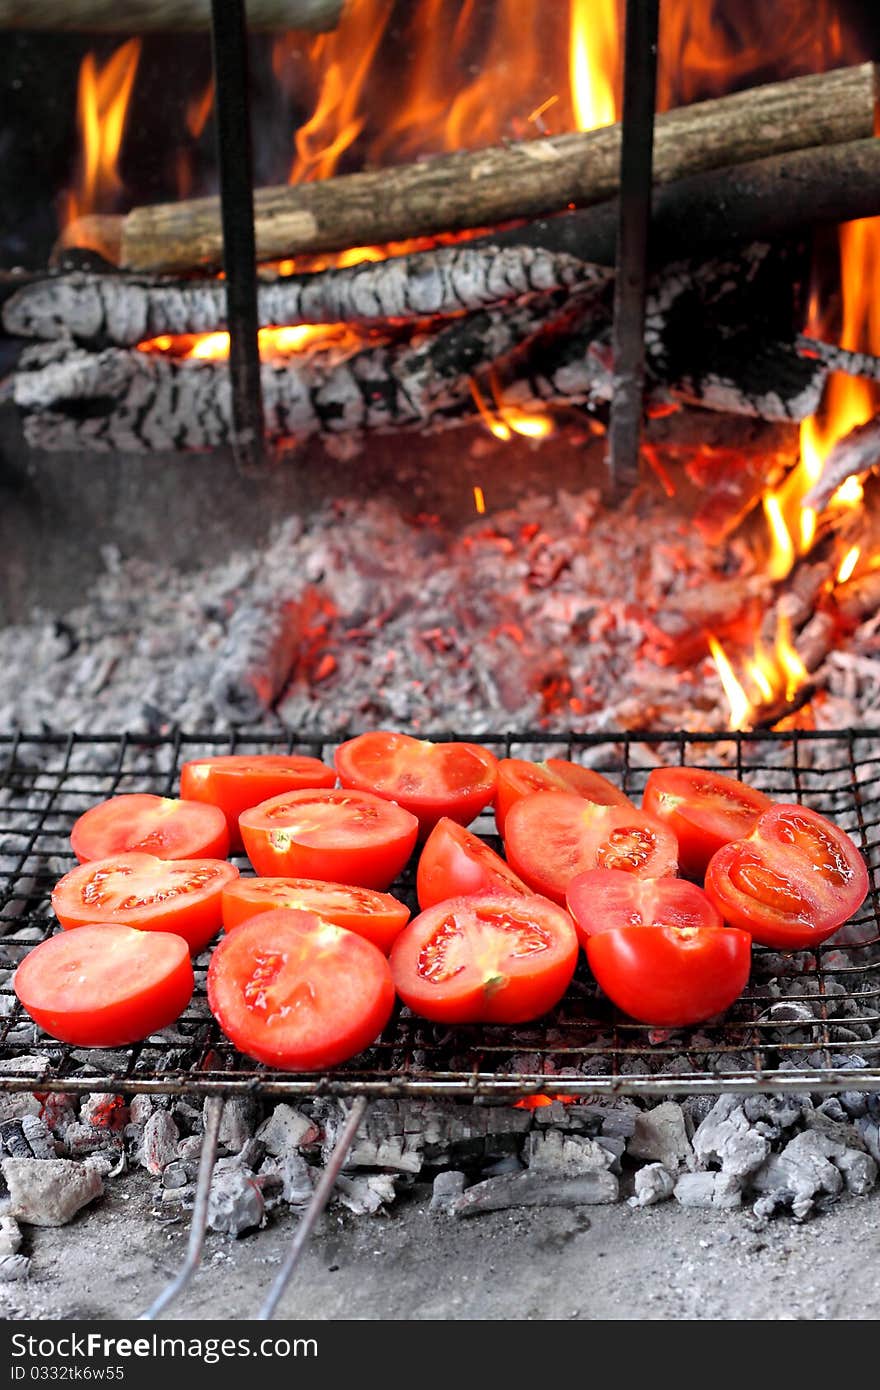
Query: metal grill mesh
x=809 y=1017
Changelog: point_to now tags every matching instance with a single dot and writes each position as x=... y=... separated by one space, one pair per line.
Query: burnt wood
x=491 y=186
x=854 y=455
x=144 y=16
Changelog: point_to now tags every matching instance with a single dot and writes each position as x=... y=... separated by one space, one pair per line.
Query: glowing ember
x=539 y=1102
x=479 y=500
x=848 y=564
x=274 y=342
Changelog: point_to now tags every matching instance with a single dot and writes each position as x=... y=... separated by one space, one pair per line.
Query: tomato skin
x=705 y=809
x=335 y=834
x=160 y=825
x=551 y=837
x=456 y=864
x=497 y=958
x=518 y=778
x=429 y=779
x=185 y=893
x=105 y=986
x=605 y=898
x=671 y=977
x=375 y=916
x=299 y=993
x=792 y=882
x=236 y=782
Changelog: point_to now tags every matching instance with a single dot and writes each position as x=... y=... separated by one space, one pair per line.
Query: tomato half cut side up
x=792 y=882
x=454 y=863
x=299 y=993
x=336 y=835
x=671 y=977
x=378 y=917
x=551 y=837
x=236 y=782
x=518 y=778
x=705 y=809
x=429 y=779
x=138 y=890
x=160 y=825
x=605 y=898
x=105 y=986
x=497 y=958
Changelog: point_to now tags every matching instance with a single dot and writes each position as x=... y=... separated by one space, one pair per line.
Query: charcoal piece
x=705 y=1190
x=726 y=1137
x=529 y=1189
x=365 y=1196
x=551 y=1152
x=14 y=1267
x=296 y=1177
x=286 y=1130
x=660 y=1135
x=10 y=1236
x=652 y=1184
x=160 y=1142
x=49 y=1192
x=448 y=1185
x=235 y=1202
x=237 y=1123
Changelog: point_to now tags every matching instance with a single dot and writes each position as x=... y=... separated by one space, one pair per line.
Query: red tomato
x=553 y=836
x=430 y=779
x=604 y=898
x=297 y=992
x=456 y=864
x=376 y=916
x=138 y=890
x=158 y=825
x=336 y=835
x=704 y=809
x=237 y=781
x=104 y=986
x=518 y=778
x=494 y=959
x=671 y=976
x=792 y=882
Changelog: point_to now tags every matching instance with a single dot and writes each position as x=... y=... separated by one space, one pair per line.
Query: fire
x=594 y=59
x=102 y=100
x=769 y=679
x=274 y=342
x=504 y=421
x=479 y=500
x=737 y=699
x=847 y=566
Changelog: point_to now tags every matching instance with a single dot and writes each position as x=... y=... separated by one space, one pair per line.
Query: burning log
x=852 y=456
x=100 y=310
x=144 y=16
x=490 y=186
x=859 y=598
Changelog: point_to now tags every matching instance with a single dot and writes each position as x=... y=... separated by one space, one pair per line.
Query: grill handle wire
x=320 y=1198
x=175 y=1287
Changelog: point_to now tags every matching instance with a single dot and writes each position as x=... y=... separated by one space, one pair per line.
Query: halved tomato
x=237 y=781
x=497 y=958
x=551 y=837
x=705 y=809
x=336 y=835
x=105 y=986
x=456 y=864
x=518 y=778
x=792 y=882
x=138 y=890
x=429 y=779
x=671 y=977
x=376 y=916
x=161 y=825
x=297 y=992
x=604 y=898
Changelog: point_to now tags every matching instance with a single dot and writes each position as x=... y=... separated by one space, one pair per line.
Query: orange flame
x=102 y=100
x=594 y=59
x=273 y=342
x=769 y=679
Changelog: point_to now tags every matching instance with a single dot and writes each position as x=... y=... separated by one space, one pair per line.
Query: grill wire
x=806 y=1018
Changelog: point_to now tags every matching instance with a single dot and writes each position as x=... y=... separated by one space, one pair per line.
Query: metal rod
x=636 y=166
x=229 y=46
x=320 y=1198
x=198 y=1225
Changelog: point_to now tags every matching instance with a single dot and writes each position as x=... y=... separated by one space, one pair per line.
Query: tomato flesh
x=299 y=993
x=160 y=825
x=376 y=916
x=138 y=890
x=671 y=977
x=456 y=864
x=605 y=898
x=105 y=986
x=429 y=779
x=792 y=882
x=551 y=837
x=705 y=810
x=235 y=782
x=497 y=958
x=336 y=835
x=518 y=778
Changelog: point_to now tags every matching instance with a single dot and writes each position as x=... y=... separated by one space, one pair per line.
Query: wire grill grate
x=807 y=1018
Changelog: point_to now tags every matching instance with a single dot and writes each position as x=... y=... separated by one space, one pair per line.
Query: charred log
x=491 y=186
x=144 y=16
x=854 y=455
x=120 y=310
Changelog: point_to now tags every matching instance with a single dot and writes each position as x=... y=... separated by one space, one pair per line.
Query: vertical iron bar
x=636 y=168
x=229 y=46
